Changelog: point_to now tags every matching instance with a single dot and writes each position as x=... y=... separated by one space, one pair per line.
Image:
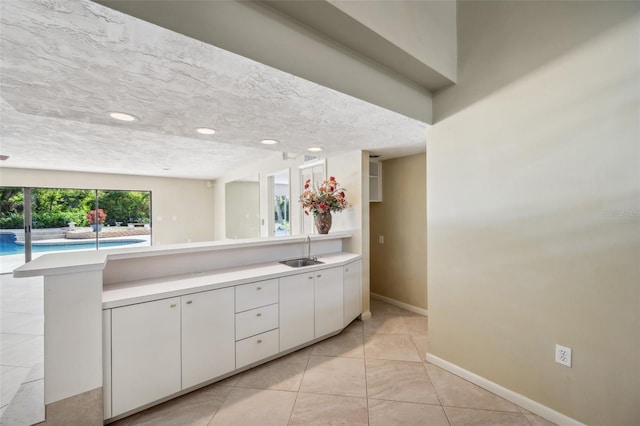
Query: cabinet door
x=145 y=353
x=328 y=301
x=208 y=337
x=352 y=291
x=296 y=310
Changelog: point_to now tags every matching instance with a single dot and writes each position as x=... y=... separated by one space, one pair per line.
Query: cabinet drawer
x=256 y=348
x=254 y=295
x=256 y=321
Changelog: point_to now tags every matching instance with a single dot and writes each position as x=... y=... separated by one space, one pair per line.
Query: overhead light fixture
x=4 y=157
x=123 y=116
x=269 y=141
x=205 y=131
x=315 y=149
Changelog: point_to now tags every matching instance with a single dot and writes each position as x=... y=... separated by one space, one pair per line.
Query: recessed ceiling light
x=205 y=131
x=123 y=116
x=315 y=149
x=269 y=141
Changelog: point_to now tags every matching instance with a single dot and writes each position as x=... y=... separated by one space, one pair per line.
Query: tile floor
x=21 y=347
x=373 y=373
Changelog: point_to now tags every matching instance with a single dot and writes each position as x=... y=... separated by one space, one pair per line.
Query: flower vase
x=96 y=227
x=323 y=222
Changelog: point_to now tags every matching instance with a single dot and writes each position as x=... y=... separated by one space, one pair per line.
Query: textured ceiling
x=66 y=63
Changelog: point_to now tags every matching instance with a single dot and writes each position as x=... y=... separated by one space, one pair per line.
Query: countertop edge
x=64 y=263
x=219 y=278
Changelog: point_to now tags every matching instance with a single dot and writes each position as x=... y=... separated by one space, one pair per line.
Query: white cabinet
x=208 y=338
x=375 y=180
x=256 y=321
x=145 y=353
x=253 y=295
x=296 y=310
x=328 y=301
x=256 y=348
x=352 y=279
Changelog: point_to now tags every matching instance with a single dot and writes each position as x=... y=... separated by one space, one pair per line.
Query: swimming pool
x=8 y=248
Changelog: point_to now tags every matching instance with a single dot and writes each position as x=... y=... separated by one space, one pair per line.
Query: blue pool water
x=7 y=247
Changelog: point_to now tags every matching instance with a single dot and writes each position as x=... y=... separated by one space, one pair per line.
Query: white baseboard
x=399 y=304
x=516 y=398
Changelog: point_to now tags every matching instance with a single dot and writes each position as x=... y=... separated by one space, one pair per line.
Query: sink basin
x=299 y=263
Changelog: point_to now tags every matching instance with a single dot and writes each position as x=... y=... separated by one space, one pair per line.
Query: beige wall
x=533 y=192
x=189 y=201
x=397 y=267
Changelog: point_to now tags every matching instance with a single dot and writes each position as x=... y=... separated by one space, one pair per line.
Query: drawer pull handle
x=173 y=305
x=258 y=288
x=189 y=302
x=311 y=277
x=258 y=314
x=347 y=269
x=259 y=341
x=319 y=276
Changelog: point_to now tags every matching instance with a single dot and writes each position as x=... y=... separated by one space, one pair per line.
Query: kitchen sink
x=299 y=263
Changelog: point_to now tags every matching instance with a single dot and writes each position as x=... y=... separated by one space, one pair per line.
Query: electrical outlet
x=380 y=239
x=563 y=355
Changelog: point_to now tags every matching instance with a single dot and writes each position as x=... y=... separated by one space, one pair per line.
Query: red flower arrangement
x=329 y=196
x=101 y=216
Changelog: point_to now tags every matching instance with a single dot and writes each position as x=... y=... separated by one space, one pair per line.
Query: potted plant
x=328 y=197
x=96 y=218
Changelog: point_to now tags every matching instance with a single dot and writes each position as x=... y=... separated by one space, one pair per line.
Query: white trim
x=521 y=400
x=402 y=305
x=365 y=316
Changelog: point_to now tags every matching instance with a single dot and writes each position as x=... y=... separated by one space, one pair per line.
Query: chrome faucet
x=308 y=242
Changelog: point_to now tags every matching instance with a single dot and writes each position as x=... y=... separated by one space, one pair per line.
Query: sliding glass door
x=39 y=220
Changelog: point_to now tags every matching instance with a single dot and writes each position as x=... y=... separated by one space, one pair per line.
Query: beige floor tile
x=380 y=307
x=534 y=419
x=10 y=380
x=24 y=354
x=335 y=376
x=388 y=413
x=280 y=374
x=422 y=344
x=27 y=406
x=355 y=326
x=7 y=340
x=455 y=391
x=348 y=344
x=398 y=347
x=386 y=323
x=322 y=410
x=250 y=407
x=399 y=381
x=193 y=409
x=470 y=417
x=416 y=325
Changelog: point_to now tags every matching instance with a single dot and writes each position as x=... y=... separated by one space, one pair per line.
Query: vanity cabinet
x=328 y=301
x=145 y=353
x=296 y=310
x=352 y=278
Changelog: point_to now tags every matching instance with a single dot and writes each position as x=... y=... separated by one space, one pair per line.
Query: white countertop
x=64 y=263
x=122 y=294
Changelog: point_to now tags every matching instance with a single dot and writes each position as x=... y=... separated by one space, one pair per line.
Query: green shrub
x=12 y=221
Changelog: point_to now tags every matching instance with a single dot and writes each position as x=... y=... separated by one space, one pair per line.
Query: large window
x=39 y=220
